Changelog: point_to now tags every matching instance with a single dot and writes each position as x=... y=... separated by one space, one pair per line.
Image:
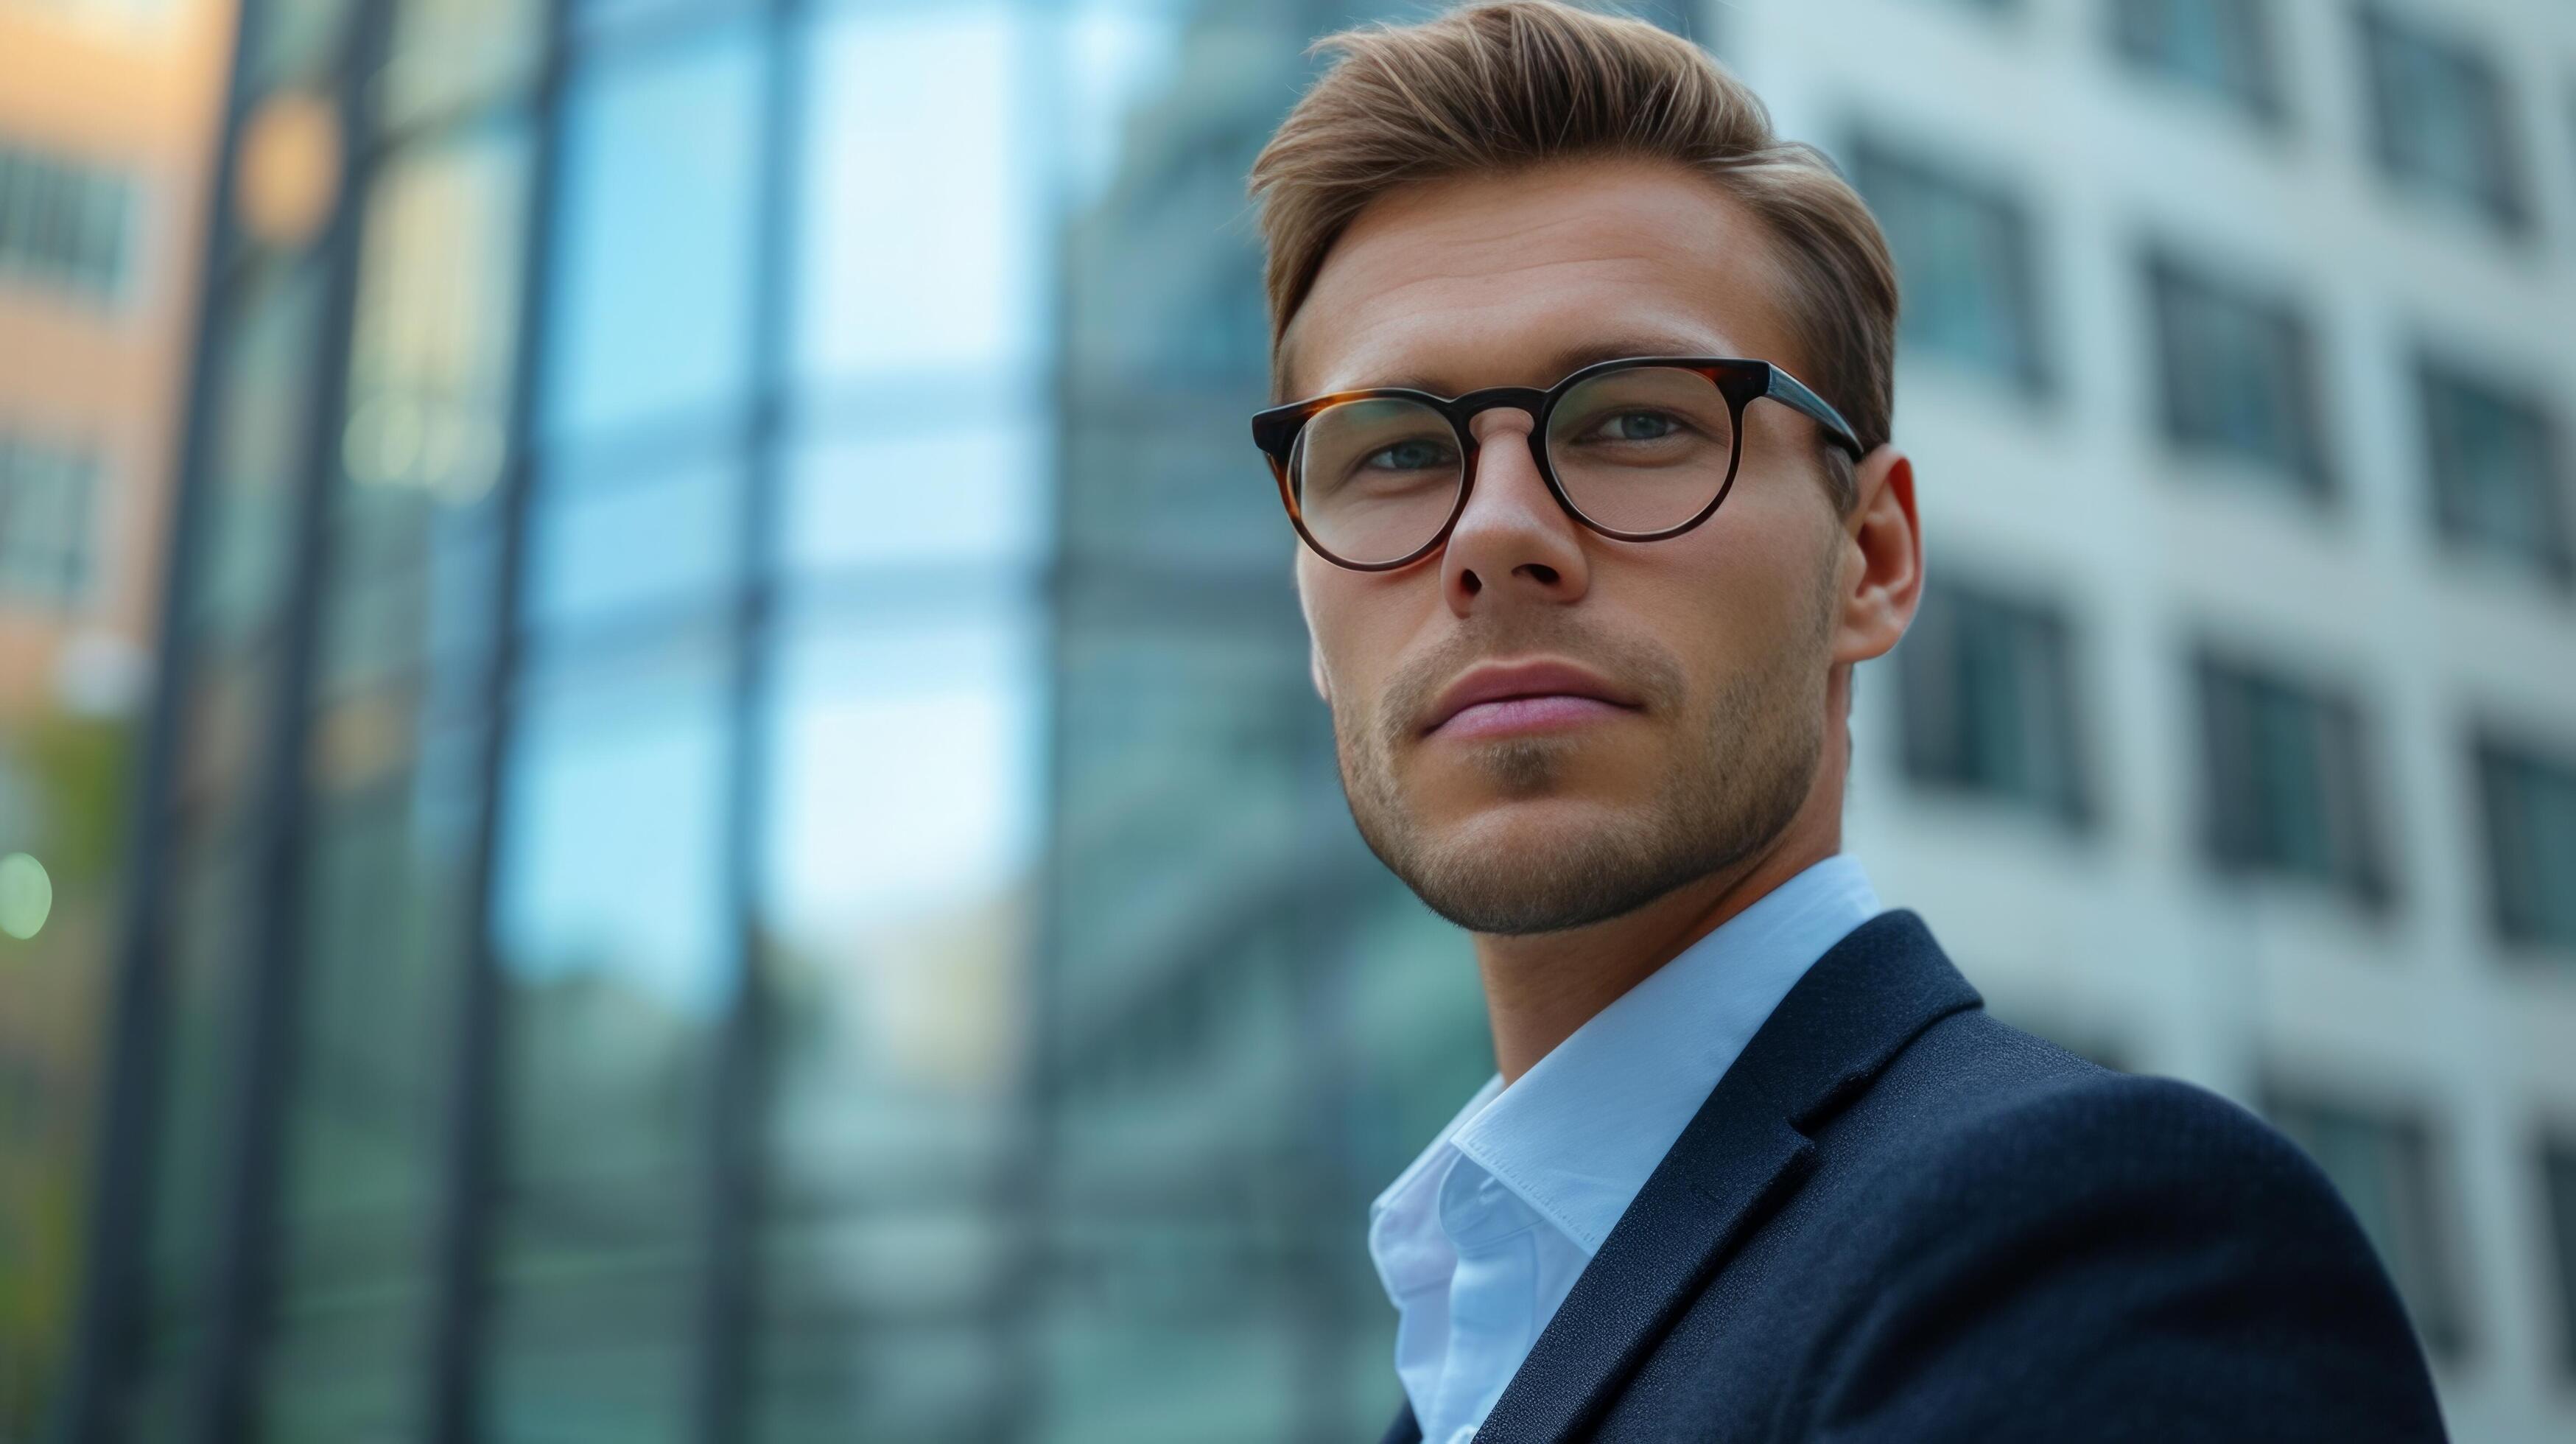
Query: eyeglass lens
x=1638 y=450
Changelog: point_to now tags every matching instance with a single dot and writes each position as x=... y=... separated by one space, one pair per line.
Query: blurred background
x=656 y=774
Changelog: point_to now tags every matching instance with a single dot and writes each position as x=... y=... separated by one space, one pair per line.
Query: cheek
x=1746 y=580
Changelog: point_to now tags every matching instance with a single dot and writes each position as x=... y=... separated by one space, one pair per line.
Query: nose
x=1513 y=543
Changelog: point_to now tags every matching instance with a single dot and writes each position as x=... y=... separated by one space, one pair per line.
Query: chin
x=1538 y=865
x=1510 y=832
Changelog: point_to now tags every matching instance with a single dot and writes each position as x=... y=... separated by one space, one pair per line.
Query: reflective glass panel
x=431 y=347
x=903 y=823
x=612 y=549
x=412 y=572
x=271 y=325
x=194 y=1071
x=923 y=240
x=445 y=53
x=946 y=489
x=651 y=310
x=609 y=923
x=385 y=932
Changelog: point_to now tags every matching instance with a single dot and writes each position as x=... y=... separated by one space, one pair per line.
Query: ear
x=1881 y=557
x=1315 y=669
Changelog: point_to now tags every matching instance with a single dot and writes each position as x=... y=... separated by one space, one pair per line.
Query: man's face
x=1713 y=646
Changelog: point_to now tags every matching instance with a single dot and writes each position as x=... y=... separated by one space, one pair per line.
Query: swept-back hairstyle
x=1497 y=87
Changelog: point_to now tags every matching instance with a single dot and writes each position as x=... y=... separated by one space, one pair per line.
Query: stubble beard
x=1747 y=763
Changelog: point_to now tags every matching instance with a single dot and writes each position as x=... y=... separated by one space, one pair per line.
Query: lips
x=1533 y=694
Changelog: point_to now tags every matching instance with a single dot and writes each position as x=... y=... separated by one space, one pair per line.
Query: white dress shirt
x=1481 y=1237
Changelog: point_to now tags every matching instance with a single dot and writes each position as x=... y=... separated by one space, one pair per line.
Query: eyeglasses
x=1638 y=449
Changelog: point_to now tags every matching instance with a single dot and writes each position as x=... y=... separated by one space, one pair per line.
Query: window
x=2492 y=452
x=659 y=166
x=2287 y=792
x=2384 y=1166
x=608 y=549
x=63 y=225
x=2529 y=804
x=615 y=950
x=2558 y=1188
x=1988 y=703
x=1964 y=264
x=47 y=497
x=2438 y=119
x=2239 y=374
x=2221 y=46
x=921 y=102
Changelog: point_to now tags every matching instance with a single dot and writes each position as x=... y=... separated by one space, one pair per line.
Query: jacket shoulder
x=2005 y=1206
x=1987 y=1099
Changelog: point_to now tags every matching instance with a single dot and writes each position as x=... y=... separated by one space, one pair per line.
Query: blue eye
x=1637 y=426
x=1409 y=456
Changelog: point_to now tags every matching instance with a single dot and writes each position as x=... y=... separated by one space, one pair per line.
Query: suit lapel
x=1744 y=1151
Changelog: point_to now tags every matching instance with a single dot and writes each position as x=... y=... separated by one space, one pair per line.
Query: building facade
x=2235 y=740
x=742 y=848
x=106 y=111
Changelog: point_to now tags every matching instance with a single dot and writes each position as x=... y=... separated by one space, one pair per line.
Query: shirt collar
x=1405 y=1239
x=1577 y=1135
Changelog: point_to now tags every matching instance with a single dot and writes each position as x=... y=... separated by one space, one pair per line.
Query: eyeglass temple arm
x=1789 y=389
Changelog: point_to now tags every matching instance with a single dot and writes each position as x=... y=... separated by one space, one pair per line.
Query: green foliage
x=77 y=766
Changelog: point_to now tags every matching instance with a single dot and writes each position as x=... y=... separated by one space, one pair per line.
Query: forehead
x=1514 y=279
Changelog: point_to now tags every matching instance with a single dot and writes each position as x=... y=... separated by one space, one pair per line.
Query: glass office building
x=743 y=848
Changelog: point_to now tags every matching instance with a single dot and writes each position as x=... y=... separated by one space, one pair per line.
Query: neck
x=1540 y=987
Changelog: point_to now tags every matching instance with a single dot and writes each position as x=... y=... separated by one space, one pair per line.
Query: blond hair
x=1502 y=86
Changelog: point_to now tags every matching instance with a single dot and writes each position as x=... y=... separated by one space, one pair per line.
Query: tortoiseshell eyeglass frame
x=1740 y=380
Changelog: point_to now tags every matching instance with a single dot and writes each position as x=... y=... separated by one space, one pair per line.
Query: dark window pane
x=1964 y=261
x=2494 y=456
x=2440 y=118
x=446 y=53
x=428 y=624
x=651 y=311
x=2385 y=1167
x=2558 y=1195
x=65 y=226
x=262 y=407
x=2287 y=791
x=195 y=1069
x=49 y=519
x=2239 y=374
x=389 y=850
x=296 y=40
x=2223 y=46
x=1989 y=705
x=2529 y=802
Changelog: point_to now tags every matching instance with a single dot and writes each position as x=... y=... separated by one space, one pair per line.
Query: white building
x=2238 y=741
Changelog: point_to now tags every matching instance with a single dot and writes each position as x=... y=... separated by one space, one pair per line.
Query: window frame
x=2238 y=838
x=1936 y=754
x=2291 y=344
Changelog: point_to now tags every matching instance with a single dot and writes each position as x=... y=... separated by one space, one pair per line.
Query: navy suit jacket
x=1896 y=1219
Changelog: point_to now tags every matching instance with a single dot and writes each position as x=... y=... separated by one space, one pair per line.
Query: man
x=1598 y=509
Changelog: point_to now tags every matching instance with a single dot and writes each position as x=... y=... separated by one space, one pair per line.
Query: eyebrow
x=1562 y=363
